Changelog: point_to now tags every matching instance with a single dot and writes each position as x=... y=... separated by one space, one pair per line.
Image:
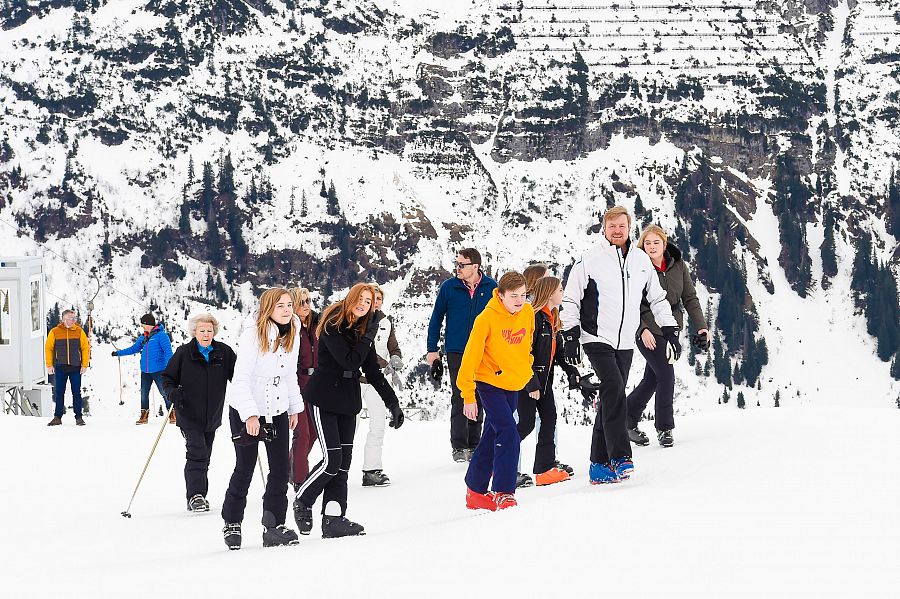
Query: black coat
x=201 y=384
x=334 y=386
x=542 y=350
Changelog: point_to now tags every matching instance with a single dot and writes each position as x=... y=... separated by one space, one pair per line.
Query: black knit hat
x=148 y=319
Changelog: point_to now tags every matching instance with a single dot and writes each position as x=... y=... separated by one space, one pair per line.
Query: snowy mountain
x=191 y=152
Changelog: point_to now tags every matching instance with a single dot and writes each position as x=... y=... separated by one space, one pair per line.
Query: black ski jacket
x=334 y=386
x=542 y=350
x=200 y=384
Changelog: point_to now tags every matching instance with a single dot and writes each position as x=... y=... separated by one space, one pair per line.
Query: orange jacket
x=67 y=347
x=498 y=351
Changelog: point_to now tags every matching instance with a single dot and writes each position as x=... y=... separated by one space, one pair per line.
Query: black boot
x=375 y=478
x=198 y=503
x=665 y=438
x=338 y=526
x=523 y=480
x=638 y=437
x=276 y=535
x=303 y=517
x=232 y=532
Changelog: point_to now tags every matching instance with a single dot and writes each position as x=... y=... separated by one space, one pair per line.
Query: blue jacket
x=156 y=349
x=455 y=307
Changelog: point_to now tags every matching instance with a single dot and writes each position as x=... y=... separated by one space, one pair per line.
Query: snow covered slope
x=772 y=503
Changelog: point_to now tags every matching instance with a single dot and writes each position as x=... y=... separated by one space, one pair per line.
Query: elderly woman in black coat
x=195 y=381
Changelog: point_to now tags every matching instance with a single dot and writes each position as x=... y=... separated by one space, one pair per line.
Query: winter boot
x=469 y=454
x=601 y=474
x=480 y=501
x=505 y=500
x=459 y=456
x=375 y=478
x=79 y=421
x=172 y=417
x=145 y=414
x=198 y=503
x=566 y=467
x=334 y=527
x=57 y=420
x=665 y=438
x=232 y=533
x=637 y=436
x=303 y=517
x=276 y=535
x=523 y=480
x=623 y=467
x=554 y=475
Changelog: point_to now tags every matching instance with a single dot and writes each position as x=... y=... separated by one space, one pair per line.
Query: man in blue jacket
x=458 y=302
x=156 y=349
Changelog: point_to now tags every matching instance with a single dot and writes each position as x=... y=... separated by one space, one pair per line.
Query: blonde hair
x=509 y=281
x=376 y=288
x=543 y=289
x=615 y=212
x=532 y=274
x=267 y=302
x=196 y=319
x=341 y=313
x=655 y=230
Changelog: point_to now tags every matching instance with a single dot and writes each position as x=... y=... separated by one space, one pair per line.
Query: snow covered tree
x=740 y=400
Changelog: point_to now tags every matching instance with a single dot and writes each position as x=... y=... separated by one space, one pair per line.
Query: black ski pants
x=278 y=454
x=329 y=477
x=610 y=438
x=659 y=378
x=545 y=406
x=198 y=445
x=464 y=433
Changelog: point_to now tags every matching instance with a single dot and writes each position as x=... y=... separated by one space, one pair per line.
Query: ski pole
x=262 y=475
x=121 y=390
x=127 y=512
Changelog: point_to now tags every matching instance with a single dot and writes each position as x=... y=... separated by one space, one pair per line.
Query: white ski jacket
x=603 y=295
x=264 y=384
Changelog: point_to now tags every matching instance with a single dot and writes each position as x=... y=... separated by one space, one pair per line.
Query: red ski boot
x=480 y=501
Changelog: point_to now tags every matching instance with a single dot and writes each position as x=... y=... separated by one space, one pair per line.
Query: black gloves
x=436 y=372
x=574 y=379
x=115 y=354
x=572 y=346
x=372 y=327
x=701 y=341
x=397 y=417
x=673 y=348
x=584 y=384
x=176 y=396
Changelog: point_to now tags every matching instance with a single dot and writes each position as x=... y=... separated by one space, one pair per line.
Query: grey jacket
x=676 y=280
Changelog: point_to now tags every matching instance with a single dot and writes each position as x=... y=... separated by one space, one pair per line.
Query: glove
x=176 y=396
x=574 y=379
x=115 y=354
x=588 y=389
x=673 y=345
x=372 y=328
x=437 y=372
x=572 y=346
x=701 y=342
x=397 y=417
x=396 y=362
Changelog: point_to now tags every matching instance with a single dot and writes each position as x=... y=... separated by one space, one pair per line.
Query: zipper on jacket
x=622 y=271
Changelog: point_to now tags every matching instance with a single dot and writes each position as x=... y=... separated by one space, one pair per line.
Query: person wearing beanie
x=155 y=348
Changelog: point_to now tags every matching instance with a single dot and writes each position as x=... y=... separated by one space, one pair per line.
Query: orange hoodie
x=498 y=351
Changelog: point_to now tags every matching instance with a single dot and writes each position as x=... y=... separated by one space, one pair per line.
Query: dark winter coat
x=201 y=384
x=309 y=346
x=155 y=348
x=542 y=350
x=456 y=309
x=334 y=386
x=676 y=280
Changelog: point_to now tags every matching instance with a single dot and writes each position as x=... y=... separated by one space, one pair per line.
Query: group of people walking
x=297 y=378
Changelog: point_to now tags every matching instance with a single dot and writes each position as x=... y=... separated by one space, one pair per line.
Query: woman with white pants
x=388 y=354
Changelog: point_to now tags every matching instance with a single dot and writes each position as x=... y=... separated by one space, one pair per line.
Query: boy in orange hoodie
x=496 y=365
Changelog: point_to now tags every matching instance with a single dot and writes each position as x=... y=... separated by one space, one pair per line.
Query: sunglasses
x=303 y=302
x=461 y=265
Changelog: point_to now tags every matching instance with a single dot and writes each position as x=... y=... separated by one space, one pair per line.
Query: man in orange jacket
x=497 y=366
x=67 y=354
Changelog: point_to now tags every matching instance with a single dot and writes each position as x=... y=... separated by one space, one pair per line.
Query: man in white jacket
x=601 y=312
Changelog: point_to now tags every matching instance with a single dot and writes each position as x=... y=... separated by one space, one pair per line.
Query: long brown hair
x=264 y=320
x=340 y=314
x=543 y=289
x=532 y=274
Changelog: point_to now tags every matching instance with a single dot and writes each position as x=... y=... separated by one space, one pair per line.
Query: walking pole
x=127 y=513
x=262 y=475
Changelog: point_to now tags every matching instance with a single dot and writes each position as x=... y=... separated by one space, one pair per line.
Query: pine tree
x=725 y=396
x=304 y=205
x=740 y=400
x=207 y=192
x=777 y=398
x=332 y=206
x=190 y=173
x=226 y=175
x=892 y=205
x=829 y=256
x=53 y=317
x=184 y=219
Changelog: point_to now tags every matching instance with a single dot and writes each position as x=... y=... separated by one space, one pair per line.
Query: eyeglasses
x=304 y=302
x=462 y=265
x=69 y=319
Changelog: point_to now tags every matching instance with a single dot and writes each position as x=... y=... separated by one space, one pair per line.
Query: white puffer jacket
x=604 y=292
x=264 y=384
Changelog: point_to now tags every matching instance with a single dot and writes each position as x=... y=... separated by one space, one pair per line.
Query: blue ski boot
x=601 y=474
x=623 y=467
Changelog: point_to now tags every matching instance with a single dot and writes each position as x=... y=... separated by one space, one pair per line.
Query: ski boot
x=459 y=456
x=601 y=474
x=566 y=467
x=480 y=501
x=375 y=478
x=665 y=438
x=303 y=517
x=232 y=533
x=276 y=535
x=523 y=480
x=637 y=436
x=198 y=503
x=624 y=467
x=334 y=527
x=505 y=500
x=551 y=476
